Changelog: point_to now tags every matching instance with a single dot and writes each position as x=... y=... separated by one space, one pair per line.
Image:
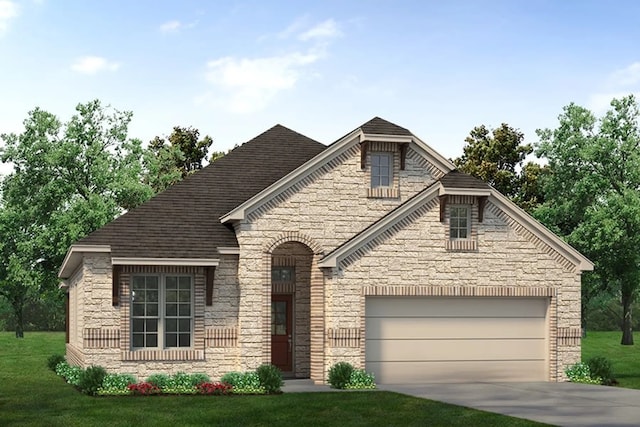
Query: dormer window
x=460 y=222
x=381 y=169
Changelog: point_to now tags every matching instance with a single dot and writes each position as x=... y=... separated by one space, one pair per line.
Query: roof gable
x=378 y=126
x=182 y=222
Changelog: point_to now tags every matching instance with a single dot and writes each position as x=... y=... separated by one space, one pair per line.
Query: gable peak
x=380 y=126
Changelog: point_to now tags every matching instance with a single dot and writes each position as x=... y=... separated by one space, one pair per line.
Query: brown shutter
x=443 y=207
x=482 y=202
x=115 y=286
x=403 y=155
x=209 y=275
x=364 y=147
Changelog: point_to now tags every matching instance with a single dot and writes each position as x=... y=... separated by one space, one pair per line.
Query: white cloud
x=8 y=11
x=628 y=76
x=93 y=65
x=249 y=84
x=600 y=103
x=322 y=31
x=170 y=26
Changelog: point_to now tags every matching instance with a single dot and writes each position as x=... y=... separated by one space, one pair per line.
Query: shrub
x=600 y=366
x=91 y=380
x=199 y=378
x=217 y=389
x=178 y=383
x=116 y=385
x=159 y=380
x=53 y=361
x=71 y=374
x=580 y=373
x=244 y=383
x=360 y=380
x=340 y=374
x=270 y=378
x=144 y=389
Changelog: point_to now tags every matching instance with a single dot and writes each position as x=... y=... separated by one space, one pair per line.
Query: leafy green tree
x=68 y=180
x=182 y=153
x=496 y=156
x=592 y=197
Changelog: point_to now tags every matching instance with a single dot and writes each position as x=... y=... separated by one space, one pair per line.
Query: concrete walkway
x=562 y=404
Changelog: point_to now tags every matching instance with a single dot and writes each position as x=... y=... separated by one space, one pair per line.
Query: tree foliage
x=170 y=160
x=592 y=193
x=68 y=180
x=496 y=157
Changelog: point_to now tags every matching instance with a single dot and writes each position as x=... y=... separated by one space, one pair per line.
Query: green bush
x=270 y=378
x=91 y=380
x=71 y=374
x=361 y=380
x=243 y=382
x=600 y=366
x=580 y=373
x=116 y=385
x=53 y=361
x=199 y=378
x=159 y=380
x=340 y=374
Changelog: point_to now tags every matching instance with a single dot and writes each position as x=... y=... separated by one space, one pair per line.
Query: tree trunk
x=627 y=331
x=18 y=310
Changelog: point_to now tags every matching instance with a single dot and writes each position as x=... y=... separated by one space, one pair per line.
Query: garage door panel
x=467 y=349
x=447 y=371
x=455 y=307
x=432 y=339
x=484 y=327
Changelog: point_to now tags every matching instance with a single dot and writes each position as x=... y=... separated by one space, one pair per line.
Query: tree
x=496 y=157
x=170 y=161
x=592 y=196
x=68 y=180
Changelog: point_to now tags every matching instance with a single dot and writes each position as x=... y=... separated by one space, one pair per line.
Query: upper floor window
x=459 y=222
x=282 y=274
x=381 y=169
x=161 y=311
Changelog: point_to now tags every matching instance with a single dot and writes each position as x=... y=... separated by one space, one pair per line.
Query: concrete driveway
x=564 y=404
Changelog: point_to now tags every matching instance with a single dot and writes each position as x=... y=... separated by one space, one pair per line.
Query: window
x=381 y=169
x=282 y=274
x=161 y=311
x=459 y=222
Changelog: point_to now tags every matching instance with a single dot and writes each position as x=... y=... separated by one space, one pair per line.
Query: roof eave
x=74 y=256
x=239 y=212
x=581 y=262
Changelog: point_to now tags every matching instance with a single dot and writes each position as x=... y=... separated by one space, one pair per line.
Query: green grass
x=32 y=395
x=624 y=358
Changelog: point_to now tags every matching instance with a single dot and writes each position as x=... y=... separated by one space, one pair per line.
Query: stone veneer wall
x=327 y=208
x=103 y=336
x=414 y=261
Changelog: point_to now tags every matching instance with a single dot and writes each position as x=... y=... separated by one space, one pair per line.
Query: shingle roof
x=457 y=179
x=382 y=127
x=183 y=221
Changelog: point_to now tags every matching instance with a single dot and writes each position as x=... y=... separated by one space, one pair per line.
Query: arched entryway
x=290 y=280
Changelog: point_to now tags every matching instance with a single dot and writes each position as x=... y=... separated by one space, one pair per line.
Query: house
x=373 y=250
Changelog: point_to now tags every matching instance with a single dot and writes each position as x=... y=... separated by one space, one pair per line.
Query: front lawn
x=624 y=358
x=32 y=395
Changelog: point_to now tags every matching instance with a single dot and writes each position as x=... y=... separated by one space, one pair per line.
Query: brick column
x=317 y=322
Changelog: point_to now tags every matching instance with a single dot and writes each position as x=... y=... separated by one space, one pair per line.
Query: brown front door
x=281 y=332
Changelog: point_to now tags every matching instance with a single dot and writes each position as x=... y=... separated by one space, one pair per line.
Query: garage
x=456 y=339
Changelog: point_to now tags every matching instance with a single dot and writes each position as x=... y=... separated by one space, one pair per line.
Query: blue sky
x=234 y=69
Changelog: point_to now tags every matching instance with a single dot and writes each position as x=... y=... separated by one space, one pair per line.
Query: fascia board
x=441 y=162
x=74 y=256
x=224 y=250
x=334 y=258
x=464 y=191
x=191 y=262
x=302 y=171
x=540 y=231
x=400 y=139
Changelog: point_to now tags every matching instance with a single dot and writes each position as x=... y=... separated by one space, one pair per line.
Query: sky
x=233 y=69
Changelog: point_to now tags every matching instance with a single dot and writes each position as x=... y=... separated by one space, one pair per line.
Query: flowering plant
x=144 y=389
x=214 y=388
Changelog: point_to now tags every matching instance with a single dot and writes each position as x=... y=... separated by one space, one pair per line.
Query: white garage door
x=456 y=339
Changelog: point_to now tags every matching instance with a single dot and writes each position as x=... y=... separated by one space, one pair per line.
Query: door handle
x=289 y=341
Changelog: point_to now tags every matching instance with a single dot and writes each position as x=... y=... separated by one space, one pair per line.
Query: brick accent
x=344 y=337
x=569 y=336
x=162 y=355
x=458 y=291
x=101 y=338
x=221 y=337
